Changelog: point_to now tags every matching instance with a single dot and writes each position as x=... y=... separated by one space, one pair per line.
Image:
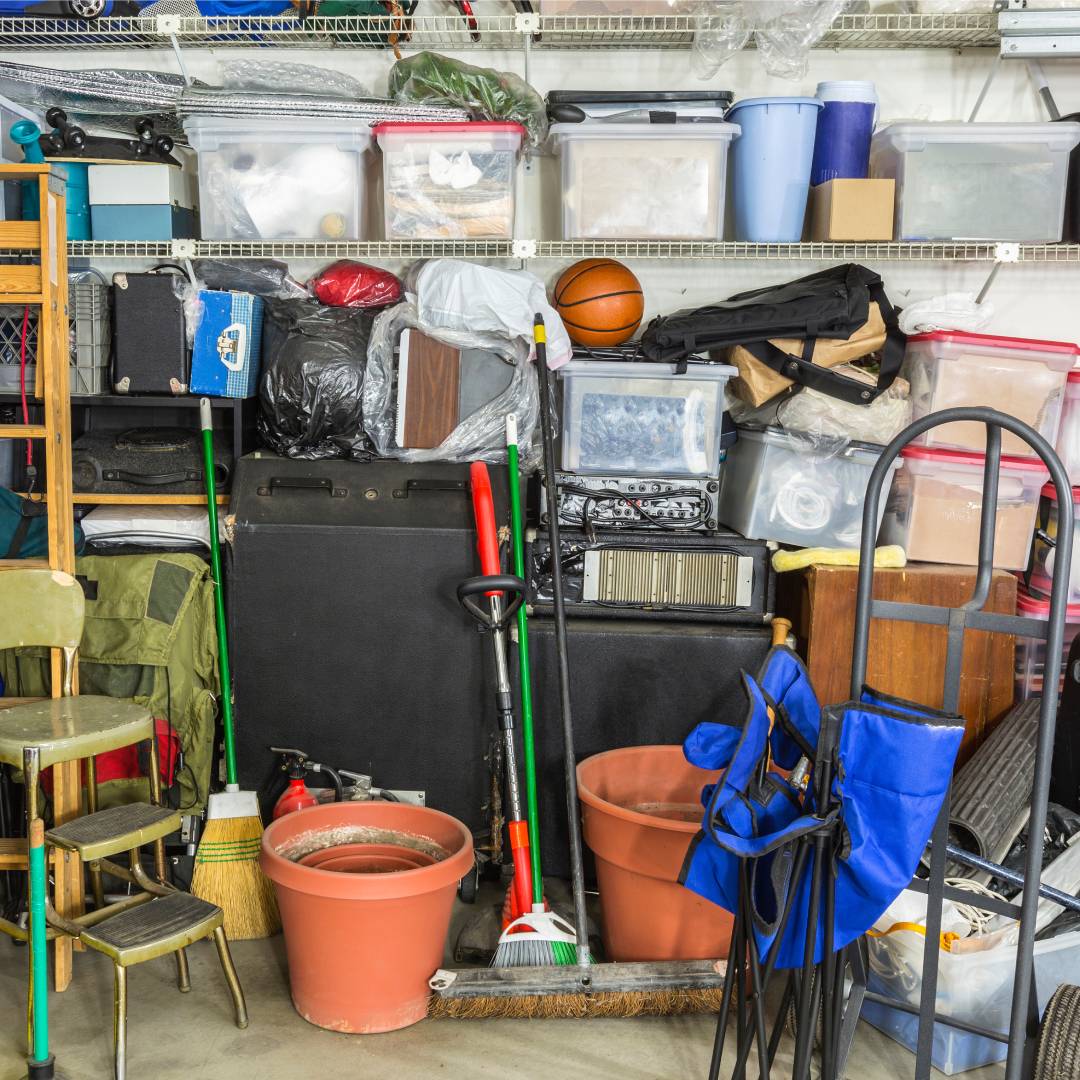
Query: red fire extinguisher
x=297 y=795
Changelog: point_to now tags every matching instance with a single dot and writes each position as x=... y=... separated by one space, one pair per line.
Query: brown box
x=845 y=210
x=905 y=659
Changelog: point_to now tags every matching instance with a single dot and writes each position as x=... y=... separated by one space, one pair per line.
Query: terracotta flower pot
x=640 y=808
x=365 y=924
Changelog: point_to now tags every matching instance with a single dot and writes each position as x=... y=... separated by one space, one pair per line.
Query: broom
x=580 y=988
x=227 y=871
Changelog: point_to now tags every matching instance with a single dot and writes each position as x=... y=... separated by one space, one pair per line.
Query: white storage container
x=1018 y=376
x=643 y=181
x=134 y=184
x=452 y=181
x=976 y=181
x=935 y=507
x=974 y=986
x=642 y=419
x=1068 y=440
x=1031 y=652
x=1042 y=563
x=779 y=485
x=280 y=178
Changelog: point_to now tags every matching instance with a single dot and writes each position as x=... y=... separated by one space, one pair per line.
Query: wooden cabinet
x=905 y=659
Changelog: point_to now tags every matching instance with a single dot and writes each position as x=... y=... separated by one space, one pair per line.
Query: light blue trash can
x=772 y=159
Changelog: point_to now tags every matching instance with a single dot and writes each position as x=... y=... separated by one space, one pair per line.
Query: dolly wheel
x=1059 y=1037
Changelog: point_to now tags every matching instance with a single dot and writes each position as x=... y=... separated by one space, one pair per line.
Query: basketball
x=600 y=302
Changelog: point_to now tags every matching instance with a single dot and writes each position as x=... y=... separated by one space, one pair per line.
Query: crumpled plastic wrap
x=486 y=93
x=783 y=30
x=481 y=436
x=275 y=77
x=953 y=311
x=355 y=284
x=829 y=424
x=310 y=390
x=260 y=277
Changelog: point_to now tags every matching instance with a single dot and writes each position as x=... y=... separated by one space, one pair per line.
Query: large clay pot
x=365 y=924
x=640 y=808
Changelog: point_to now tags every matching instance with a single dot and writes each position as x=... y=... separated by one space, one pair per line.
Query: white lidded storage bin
x=642 y=419
x=976 y=181
x=783 y=486
x=643 y=181
x=452 y=181
x=1068 y=440
x=935 y=507
x=1042 y=562
x=280 y=178
x=1018 y=376
x=974 y=986
x=1031 y=652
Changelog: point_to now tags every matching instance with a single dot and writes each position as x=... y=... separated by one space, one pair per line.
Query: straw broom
x=227 y=871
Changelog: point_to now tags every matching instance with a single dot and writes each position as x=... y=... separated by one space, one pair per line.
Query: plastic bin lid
x=996 y=341
x=1037 y=608
x=1050 y=492
x=1064 y=135
x=647 y=369
x=411 y=127
x=790 y=437
x=620 y=97
x=600 y=129
x=1074 y=375
x=961 y=457
x=813 y=102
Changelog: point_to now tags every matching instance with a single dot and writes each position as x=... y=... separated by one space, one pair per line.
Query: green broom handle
x=517 y=534
x=39 y=957
x=206 y=416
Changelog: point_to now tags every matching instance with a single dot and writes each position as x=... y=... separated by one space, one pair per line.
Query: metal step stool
x=118 y=829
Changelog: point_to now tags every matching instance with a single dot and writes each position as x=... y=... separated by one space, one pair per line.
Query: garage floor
x=192 y=1037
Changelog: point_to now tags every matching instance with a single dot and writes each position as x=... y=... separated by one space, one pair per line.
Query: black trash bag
x=313 y=361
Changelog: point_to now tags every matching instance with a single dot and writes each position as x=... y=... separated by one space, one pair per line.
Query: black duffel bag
x=831 y=305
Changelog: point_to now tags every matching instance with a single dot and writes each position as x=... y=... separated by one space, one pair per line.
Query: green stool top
x=65 y=729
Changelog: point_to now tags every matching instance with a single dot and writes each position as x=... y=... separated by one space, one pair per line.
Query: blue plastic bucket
x=844 y=128
x=772 y=158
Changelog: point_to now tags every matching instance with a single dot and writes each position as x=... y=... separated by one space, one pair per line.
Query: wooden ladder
x=42 y=284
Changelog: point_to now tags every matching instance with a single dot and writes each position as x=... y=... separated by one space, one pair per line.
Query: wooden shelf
x=98 y=498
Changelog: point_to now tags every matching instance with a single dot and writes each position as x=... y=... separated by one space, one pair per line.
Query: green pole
x=219 y=598
x=517 y=532
x=39 y=957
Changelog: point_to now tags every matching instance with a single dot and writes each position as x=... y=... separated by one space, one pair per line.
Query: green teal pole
x=39 y=957
x=517 y=533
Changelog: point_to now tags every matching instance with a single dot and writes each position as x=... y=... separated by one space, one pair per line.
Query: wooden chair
x=45 y=608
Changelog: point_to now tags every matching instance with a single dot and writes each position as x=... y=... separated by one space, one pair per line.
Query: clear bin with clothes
x=1068 y=440
x=274 y=179
x=1021 y=377
x=642 y=419
x=643 y=181
x=1031 y=652
x=795 y=489
x=449 y=181
x=980 y=181
x=1043 y=554
x=935 y=506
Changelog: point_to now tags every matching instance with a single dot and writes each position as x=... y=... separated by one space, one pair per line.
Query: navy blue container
x=844 y=127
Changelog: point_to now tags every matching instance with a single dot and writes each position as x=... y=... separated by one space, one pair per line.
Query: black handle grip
x=151 y=479
x=501 y=583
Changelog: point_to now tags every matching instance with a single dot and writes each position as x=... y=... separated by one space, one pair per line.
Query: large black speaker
x=349 y=642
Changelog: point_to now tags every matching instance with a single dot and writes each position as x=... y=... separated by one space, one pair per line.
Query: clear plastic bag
x=272 y=77
x=486 y=93
x=952 y=311
x=829 y=424
x=784 y=32
x=480 y=436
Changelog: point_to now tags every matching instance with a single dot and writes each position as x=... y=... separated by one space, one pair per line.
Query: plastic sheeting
x=953 y=311
x=481 y=436
x=310 y=391
x=276 y=77
x=487 y=94
x=355 y=284
x=784 y=31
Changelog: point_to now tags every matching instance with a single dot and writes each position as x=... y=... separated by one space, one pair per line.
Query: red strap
x=487 y=537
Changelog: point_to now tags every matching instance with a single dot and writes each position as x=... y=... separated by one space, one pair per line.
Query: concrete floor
x=192 y=1037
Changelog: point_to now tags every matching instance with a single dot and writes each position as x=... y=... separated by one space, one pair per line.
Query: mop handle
x=487 y=536
x=39 y=956
x=206 y=417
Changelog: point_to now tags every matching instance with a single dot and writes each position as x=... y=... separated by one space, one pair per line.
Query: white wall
x=1036 y=300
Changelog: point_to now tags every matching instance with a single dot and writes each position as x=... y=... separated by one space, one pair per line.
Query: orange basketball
x=600 y=302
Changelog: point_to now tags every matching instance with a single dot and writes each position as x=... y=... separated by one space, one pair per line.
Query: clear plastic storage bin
x=452 y=181
x=1042 y=563
x=643 y=181
x=1018 y=376
x=782 y=486
x=1031 y=652
x=973 y=986
x=976 y=181
x=934 y=508
x=642 y=419
x=1068 y=440
x=280 y=178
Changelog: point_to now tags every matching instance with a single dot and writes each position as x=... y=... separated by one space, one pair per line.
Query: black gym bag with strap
x=831 y=305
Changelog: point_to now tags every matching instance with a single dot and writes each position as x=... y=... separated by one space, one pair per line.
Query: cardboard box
x=845 y=210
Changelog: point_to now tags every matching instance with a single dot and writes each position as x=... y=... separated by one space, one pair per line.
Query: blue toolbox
x=227 y=347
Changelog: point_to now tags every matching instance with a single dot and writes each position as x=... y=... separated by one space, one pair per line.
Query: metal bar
x=961 y=896
x=1047 y=892
x=993 y=622
x=939 y=1018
